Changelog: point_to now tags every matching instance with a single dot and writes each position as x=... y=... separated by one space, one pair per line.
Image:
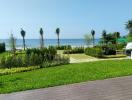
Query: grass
x=6 y=71
x=116 y=56
x=65 y=74
x=4 y=54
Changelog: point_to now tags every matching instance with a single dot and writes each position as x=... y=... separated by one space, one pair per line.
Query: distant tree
x=104 y=34
x=117 y=35
x=42 y=39
x=93 y=34
x=23 y=33
x=12 y=42
x=129 y=28
x=88 y=39
x=58 y=34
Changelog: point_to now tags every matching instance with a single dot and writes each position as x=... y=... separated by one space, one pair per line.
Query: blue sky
x=74 y=17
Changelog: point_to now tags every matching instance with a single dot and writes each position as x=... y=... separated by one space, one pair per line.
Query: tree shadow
x=1 y=84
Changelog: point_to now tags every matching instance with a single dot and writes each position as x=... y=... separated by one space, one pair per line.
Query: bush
x=109 y=51
x=11 y=61
x=128 y=52
x=95 y=52
x=64 y=47
x=121 y=46
x=2 y=47
x=34 y=57
x=44 y=52
x=74 y=50
x=58 y=60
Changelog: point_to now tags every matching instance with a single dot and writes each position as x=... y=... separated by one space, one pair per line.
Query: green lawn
x=6 y=71
x=4 y=54
x=65 y=74
x=116 y=56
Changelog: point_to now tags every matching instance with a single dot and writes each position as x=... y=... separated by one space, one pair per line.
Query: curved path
x=110 y=89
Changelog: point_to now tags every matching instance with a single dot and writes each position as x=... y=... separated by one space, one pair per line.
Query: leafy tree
x=23 y=33
x=88 y=39
x=12 y=42
x=58 y=34
x=93 y=34
x=104 y=34
x=42 y=39
x=117 y=35
x=110 y=38
x=129 y=28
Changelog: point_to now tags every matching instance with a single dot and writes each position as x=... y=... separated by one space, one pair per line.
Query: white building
x=129 y=48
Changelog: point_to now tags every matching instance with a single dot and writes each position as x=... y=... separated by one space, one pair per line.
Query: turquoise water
x=33 y=43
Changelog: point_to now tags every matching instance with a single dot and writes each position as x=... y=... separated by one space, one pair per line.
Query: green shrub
x=95 y=52
x=64 y=47
x=33 y=57
x=74 y=50
x=44 y=52
x=2 y=47
x=58 y=60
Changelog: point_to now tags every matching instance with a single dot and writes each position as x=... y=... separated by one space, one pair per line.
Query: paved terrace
x=110 y=89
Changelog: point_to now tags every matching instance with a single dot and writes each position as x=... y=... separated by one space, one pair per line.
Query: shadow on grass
x=1 y=85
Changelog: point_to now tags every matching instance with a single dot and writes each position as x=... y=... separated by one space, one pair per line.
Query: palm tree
x=58 y=34
x=42 y=39
x=93 y=34
x=23 y=33
x=129 y=27
x=104 y=34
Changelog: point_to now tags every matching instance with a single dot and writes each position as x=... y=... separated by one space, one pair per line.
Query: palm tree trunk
x=24 y=43
x=93 y=41
x=42 y=42
x=58 y=41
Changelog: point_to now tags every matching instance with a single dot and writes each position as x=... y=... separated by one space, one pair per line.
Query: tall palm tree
x=129 y=26
x=104 y=34
x=58 y=35
x=93 y=34
x=23 y=33
x=42 y=38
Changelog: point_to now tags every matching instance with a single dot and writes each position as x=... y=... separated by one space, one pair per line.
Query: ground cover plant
x=65 y=74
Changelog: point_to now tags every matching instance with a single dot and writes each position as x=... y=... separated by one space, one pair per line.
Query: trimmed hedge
x=34 y=57
x=75 y=50
x=2 y=47
x=64 y=47
x=95 y=52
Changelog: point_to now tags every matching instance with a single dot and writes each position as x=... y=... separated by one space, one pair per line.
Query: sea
x=35 y=43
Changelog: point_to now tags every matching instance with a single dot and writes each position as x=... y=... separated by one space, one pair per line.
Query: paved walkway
x=73 y=60
x=110 y=89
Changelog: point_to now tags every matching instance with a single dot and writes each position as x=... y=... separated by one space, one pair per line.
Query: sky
x=74 y=17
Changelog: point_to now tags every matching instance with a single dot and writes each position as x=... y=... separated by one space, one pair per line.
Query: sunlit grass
x=65 y=74
x=5 y=71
